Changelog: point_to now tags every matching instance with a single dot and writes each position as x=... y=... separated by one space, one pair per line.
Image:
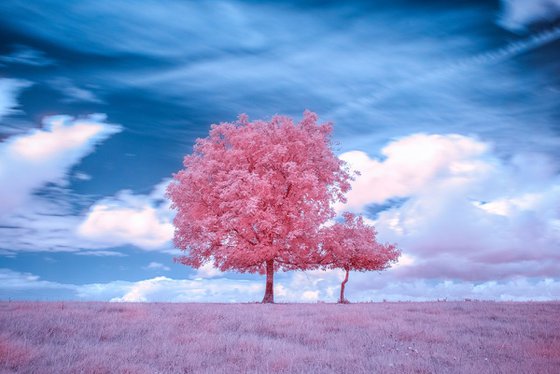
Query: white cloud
x=61 y=136
x=43 y=157
x=13 y=280
x=157 y=266
x=410 y=164
x=9 y=89
x=210 y=290
x=508 y=207
x=118 y=225
x=141 y=220
x=377 y=287
x=516 y=15
x=49 y=223
x=31 y=160
x=310 y=295
x=404 y=260
x=208 y=271
x=465 y=213
x=81 y=176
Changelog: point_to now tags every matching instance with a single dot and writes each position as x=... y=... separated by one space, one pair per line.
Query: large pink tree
x=352 y=245
x=253 y=196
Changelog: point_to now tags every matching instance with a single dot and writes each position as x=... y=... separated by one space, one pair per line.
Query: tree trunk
x=342 y=299
x=269 y=292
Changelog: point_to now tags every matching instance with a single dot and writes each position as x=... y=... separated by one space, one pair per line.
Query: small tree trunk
x=269 y=292
x=342 y=299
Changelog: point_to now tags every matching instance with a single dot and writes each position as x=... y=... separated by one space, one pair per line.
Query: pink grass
x=444 y=337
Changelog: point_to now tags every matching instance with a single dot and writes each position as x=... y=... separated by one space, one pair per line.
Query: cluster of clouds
x=462 y=212
x=314 y=286
x=42 y=159
x=469 y=222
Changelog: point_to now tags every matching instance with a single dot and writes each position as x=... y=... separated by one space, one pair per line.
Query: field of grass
x=432 y=337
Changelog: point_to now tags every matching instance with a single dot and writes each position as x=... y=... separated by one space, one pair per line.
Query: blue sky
x=450 y=110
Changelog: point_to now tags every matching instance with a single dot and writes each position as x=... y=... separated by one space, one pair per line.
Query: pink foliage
x=253 y=195
x=352 y=245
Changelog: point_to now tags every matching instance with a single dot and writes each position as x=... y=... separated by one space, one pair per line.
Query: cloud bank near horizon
x=315 y=286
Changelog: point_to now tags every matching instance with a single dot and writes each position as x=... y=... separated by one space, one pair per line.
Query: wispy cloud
x=58 y=220
x=518 y=15
x=43 y=156
x=73 y=93
x=40 y=160
x=221 y=24
x=100 y=253
x=81 y=176
x=22 y=54
x=157 y=266
x=9 y=90
x=479 y=60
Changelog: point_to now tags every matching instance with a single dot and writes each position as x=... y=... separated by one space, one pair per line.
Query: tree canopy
x=352 y=245
x=253 y=195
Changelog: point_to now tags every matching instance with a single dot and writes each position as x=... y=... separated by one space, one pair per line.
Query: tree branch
x=243 y=236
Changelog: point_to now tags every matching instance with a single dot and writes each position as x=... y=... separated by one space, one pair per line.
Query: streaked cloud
x=222 y=24
x=50 y=223
x=25 y=55
x=9 y=90
x=100 y=253
x=41 y=156
x=73 y=93
x=517 y=15
x=157 y=266
x=41 y=160
x=81 y=176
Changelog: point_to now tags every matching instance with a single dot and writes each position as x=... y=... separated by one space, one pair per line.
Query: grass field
x=431 y=337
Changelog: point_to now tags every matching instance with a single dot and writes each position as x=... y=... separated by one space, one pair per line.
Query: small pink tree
x=253 y=196
x=352 y=245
